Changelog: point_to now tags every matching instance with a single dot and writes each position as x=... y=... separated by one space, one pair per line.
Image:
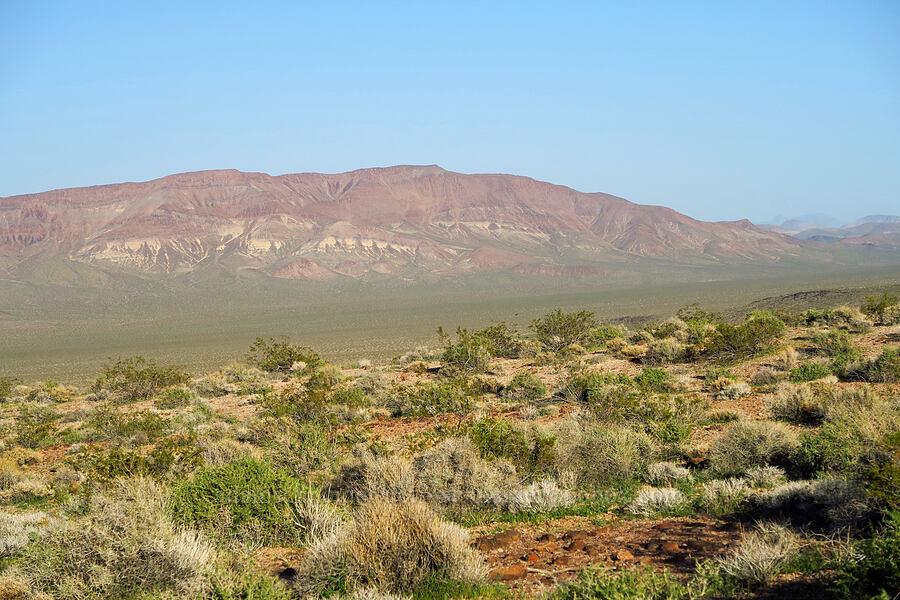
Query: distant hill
x=410 y=223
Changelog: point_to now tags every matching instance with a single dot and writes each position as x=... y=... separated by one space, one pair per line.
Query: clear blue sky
x=718 y=109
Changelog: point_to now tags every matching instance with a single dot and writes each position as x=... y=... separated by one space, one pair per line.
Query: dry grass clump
x=654 y=501
x=764 y=376
x=723 y=494
x=766 y=476
x=392 y=546
x=316 y=518
x=788 y=359
x=666 y=473
x=124 y=545
x=540 y=496
x=453 y=476
x=17 y=529
x=603 y=453
x=796 y=403
x=835 y=500
x=733 y=391
x=229 y=380
x=748 y=444
x=368 y=475
x=762 y=554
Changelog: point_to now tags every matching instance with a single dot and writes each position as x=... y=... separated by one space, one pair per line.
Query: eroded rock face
x=398 y=221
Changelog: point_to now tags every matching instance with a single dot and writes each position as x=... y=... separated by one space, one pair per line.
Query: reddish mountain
x=406 y=221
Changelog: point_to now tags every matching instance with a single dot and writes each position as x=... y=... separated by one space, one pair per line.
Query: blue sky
x=720 y=110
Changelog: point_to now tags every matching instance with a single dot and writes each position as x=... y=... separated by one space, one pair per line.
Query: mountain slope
x=411 y=222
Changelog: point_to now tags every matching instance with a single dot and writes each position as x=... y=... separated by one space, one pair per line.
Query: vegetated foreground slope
x=692 y=457
x=397 y=223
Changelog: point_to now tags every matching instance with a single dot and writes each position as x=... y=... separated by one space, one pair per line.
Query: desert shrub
x=453 y=477
x=883 y=480
x=716 y=379
x=603 y=454
x=837 y=345
x=35 y=425
x=876 y=571
x=469 y=354
x=662 y=351
x=136 y=378
x=763 y=554
x=435 y=398
x=723 y=495
x=734 y=391
x=809 y=372
x=832 y=501
x=734 y=342
x=850 y=439
x=7 y=385
x=281 y=356
x=557 y=329
x=764 y=376
x=244 y=498
x=540 y=496
x=883 y=369
x=878 y=308
x=748 y=444
x=654 y=380
x=532 y=451
x=666 y=473
x=124 y=546
x=523 y=387
x=299 y=448
x=604 y=583
x=767 y=476
x=501 y=340
x=843 y=317
x=109 y=423
x=50 y=391
x=391 y=545
x=654 y=501
x=19 y=529
x=172 y=456
x=698 y=323
x=175 y=397
x=213 y=386
x=668 y=418
x=369 y=475
x=796 y=404
x=597 y=337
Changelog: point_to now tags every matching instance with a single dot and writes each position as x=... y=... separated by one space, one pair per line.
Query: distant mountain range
x=411 y=223
x=873 y=230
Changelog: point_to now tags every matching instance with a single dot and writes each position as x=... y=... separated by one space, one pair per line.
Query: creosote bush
x=280 y=355
x=557 y=329
x=136 y=378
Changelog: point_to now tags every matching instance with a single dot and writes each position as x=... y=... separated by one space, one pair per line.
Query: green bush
x=644 y=583
x=35 y=425
x=810 y=372
x=604 y=454
x=557 y=329
x=173 y=456
x=497 y=438
x=281 y=356
x=837 y=345
x=756 y=334
x=7 y=384
x=883 y=480
x=137 y=378
x=654 y=379
x=438 y=398
x=112 y=424
x=598 y=336
x=242 y=498
x=469 y=354
x=176 y=397
x=877 y=307
x=525 y=386
x=501 y=340
x=876 y=574
x=884 y=369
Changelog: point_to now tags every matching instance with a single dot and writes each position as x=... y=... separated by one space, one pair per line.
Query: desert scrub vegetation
x=136 y=378
x=392 y=545
x=349 y=480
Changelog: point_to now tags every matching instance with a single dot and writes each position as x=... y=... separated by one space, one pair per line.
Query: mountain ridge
x=412 y=222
